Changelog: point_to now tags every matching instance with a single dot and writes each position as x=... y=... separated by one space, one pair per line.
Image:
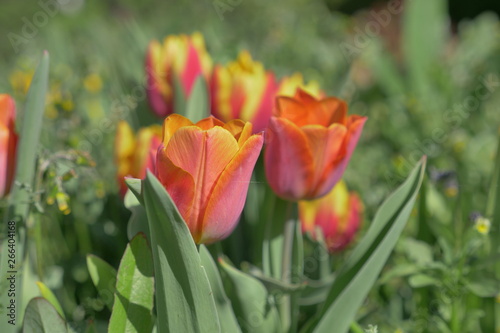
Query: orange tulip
x=243 y=90
x=308 y=145
x=135 y=154
x=338 y=215
x=180 y=56
x=8 y=143
x=206 y=169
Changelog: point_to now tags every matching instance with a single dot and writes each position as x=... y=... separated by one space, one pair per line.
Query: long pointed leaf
x=228 y=322
x=42 y=317
x=104 y=277
x=251 y=302
x=198 y=106
x=362 y=268
x=184 y=299
x=133 y=305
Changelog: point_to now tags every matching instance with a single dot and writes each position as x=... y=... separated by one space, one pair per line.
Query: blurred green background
x=429 y=83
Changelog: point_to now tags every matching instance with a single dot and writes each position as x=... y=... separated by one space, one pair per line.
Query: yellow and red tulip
x=184 y=57
x=134 y=154
x=8 y=143
x=206 y=169
x=338 y=215
x=243 y=90
x=309 y=143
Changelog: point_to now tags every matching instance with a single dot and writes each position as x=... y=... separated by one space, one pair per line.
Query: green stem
x=356 y=328
x=286 y=268
x=455 y=317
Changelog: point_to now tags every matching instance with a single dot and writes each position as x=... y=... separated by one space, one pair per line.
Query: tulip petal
x=305 y=97
x=228 y=196
x=204 y=155
x=209 y=122
x=172 y=124
x=240 y=130
x=124 y=141
x=8 y=111
x=327 y=148
x=147 y=140
x=286 y=145
x=351 y=224
x=178 y=183
x=158 y=92
x=263 y=112
x=354 y=128
x=4 y=160
x=334 y=111
x=293 y=110
x=192 y=69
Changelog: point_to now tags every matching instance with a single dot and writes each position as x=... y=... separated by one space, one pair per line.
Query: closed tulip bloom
x=206 y=169
x=243 y=90
x=134 y=154
x=309 y=143
x=8 y=143
x=184 y=57
x=338 y=215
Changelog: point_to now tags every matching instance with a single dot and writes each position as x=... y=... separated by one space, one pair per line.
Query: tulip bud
x=338 y=215
x=308 y=145
x=135 y=154
x=206 y=169
x=8 y=143
x=243 y=90
x=184 y=57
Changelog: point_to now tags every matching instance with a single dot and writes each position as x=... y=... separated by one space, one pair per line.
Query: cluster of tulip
x=206 y=166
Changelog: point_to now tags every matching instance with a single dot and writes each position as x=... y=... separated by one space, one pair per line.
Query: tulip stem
x=287 y=269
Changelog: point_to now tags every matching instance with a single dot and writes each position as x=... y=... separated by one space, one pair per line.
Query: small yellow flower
x=62 y=202
x=20 y=81
x=67 y=105
x=482 y=225
x=451 y=191
x=93 y=83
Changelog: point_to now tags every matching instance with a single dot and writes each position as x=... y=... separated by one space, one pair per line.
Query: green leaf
x=42 y=317
x=135 y=186
x=49 y=296
x=361 y=269
x=417 y=251
x=21 y=196
x=228 y=322
x=184 y=299
x=103 y=276
x=423 y=43
x=134 y=296
x=400 y=270
x=422 y=280
x=484 y=287
x=138 y=221
x=272 y=285
x=198 y=106
x=251 y=302
x=315 y=292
